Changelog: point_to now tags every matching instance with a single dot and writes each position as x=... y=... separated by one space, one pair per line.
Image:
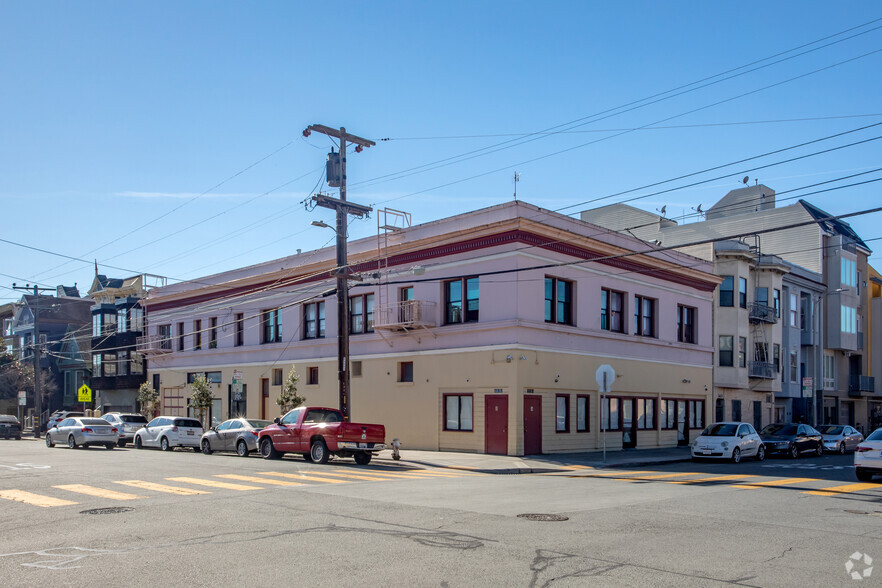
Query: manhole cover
x=111 y=510
x=543 y=517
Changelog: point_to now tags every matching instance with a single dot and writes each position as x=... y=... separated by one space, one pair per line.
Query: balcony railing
x=153 y=344
x=762 y=313
x=761 y=369
x=402 y=316
x=858 y=383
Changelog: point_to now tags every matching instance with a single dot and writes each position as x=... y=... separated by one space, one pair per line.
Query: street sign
x=22 y=398
x=807 y=386
x=605 y=377
x=84 y=394
x=237 y=385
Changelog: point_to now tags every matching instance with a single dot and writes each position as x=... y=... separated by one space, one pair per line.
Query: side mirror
x=276 y=420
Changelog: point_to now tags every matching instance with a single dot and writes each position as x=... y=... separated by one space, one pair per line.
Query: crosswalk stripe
x=713 y=479
x=34 y=499
x=305 y=477
x=841 y=489
x=611 y=474
x=214 y=484
x=99 y=492
x=259 y=480
x=658 y=476
x=356 y=476
x=162 y=487
x=410 y=476
x=446 y=474
x=784 y=482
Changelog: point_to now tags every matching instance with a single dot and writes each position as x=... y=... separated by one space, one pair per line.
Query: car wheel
x=363 y=458
x=319 y=451
x=121 y=443
x=163 y=444
x=138 y=444
x=794 y=452
x=71 y=442
x=206 y=447
x=306 y=457
x=736 y=455
x=863 y=475
x=49 y=442
x=761 y=453
x=820 y=450
x=842 y=448
x=242 y=449
x=267 y=451
x=110 y=445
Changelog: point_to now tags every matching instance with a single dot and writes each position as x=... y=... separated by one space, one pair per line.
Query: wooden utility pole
x=38 y=397
x=343 y=209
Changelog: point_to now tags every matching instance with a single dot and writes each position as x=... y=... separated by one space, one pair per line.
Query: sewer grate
x=111 y=510
x=543 y=517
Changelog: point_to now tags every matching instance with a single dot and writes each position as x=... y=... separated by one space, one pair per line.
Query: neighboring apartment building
x=483 y=332
x=874 y=349
x=824 y=302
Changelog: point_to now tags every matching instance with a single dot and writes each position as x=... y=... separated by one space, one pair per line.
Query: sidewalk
x=533 y=464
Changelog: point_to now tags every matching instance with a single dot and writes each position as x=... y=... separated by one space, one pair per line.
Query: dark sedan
x=10 y=428
x=792 y=439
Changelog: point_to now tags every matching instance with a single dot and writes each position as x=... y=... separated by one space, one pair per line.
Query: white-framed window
x=848 y=317
x=849 y=272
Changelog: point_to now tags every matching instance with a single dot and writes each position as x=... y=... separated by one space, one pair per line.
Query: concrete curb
x=544 y=470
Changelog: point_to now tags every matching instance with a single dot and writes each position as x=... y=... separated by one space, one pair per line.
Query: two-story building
x=478 y=332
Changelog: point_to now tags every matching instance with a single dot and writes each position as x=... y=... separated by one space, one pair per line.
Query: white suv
x=168 y=432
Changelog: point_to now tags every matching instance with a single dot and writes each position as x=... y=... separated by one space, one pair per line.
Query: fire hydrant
x=396 y=444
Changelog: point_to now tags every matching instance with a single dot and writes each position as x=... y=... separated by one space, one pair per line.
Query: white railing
x=402 y=315
x=153 y=344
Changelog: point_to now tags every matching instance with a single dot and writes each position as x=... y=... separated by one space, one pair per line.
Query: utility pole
x=336 y=169
x=38 y=399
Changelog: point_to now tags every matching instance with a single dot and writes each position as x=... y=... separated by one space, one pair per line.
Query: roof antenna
x=745 y=180
x=662 y=210
x=96 y=268
x=517 y=178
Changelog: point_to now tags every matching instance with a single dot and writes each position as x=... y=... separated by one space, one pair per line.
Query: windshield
x=259 y=424
x=831 y=430
x=133 y=418
x=875 y=435
x=720 y=430
x=779 y=430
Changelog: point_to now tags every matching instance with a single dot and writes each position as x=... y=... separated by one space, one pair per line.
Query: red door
x=496 y=424
x=532 y=425
x=264 y=394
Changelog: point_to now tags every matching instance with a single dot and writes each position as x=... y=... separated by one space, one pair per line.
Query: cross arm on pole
x=338 y=134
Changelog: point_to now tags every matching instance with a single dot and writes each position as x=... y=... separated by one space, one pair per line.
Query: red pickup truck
x=318 y=433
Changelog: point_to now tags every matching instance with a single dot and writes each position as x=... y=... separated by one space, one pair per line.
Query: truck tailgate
x=362 y=433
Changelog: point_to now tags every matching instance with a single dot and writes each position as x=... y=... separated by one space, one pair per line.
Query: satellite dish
x=745 y=180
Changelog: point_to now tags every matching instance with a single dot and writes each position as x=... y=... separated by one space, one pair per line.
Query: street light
x=323 y=225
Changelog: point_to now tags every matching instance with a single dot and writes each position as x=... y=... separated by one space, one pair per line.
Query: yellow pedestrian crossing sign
x=84 y=394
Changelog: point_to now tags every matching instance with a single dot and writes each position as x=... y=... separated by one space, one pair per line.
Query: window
x=742 y=352
x=239 y=341
x=776 y=301
x=644 y=316
x=668 y=415
x=612 y=305
x=609 y=414
x=122 y=363
x=725 y=350
x=457 y=412
x=312 y=374
x=180 y=336
x=696 y=414
x=165 y=337
x=761 y=351
x=804 y=309
x=210 y=377
x=721 y=410
x=583 y=415
x=645 y=413
x=461 y=308
x=122 y=316
x=212 y=332
x=849 y=272
x=829 y=371
x=277 y=377
x=137 y=364
x=405 y=371
x=314 y=320
x=558 y=301
x=761 y=296
x=197 y=335
x=794 y=310
x=355 y=369
x=407 y=309
x=361 y=314
x=776 y=356
x=96 y=365
x=103 y=324
x=272 y=325
x=742 y=292
x=686 y=324
x=562 y=413
x=136 y=319
x=736 y=410
x=794 y=366
x=848 y=318
x=727 y=291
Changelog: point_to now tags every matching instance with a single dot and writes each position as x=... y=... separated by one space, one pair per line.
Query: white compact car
x=868 y=457
x=168 y=432
x=729 y=441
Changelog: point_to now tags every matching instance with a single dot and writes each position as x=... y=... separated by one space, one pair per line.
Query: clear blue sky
x=113 y=114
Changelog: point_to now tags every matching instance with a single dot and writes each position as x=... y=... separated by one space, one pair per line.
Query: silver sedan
x=840 y=438
x=239 y=435
x=83 y=432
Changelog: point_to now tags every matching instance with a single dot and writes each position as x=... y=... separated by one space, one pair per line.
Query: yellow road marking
x=356 y=476
x=576 y=467
x=658 y=476
x=713 y=479
x=413 y=476
x=256 y=479
x=33 y=499
x=616 y=473
x=99 y=492
x=305 y=477
x=214 y=484
x=784 y=482
x=841 y=489
x=161 y=487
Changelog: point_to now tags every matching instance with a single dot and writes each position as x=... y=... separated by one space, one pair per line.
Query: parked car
x=729 y=441
x=127 y=423
x=59 y=415
x=868 y=457
x=168 y=432
x=318 y=433
x=792 y=439
x=83 y=432
x=10 y=428
x=840 y=438
x=239 y=435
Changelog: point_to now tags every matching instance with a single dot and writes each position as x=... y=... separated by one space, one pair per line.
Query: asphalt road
x=778 y=523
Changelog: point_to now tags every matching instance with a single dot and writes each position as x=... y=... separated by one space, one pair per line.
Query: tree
x=289 y=398
x=201 y=397
x=17 y=375
x=148 y=399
